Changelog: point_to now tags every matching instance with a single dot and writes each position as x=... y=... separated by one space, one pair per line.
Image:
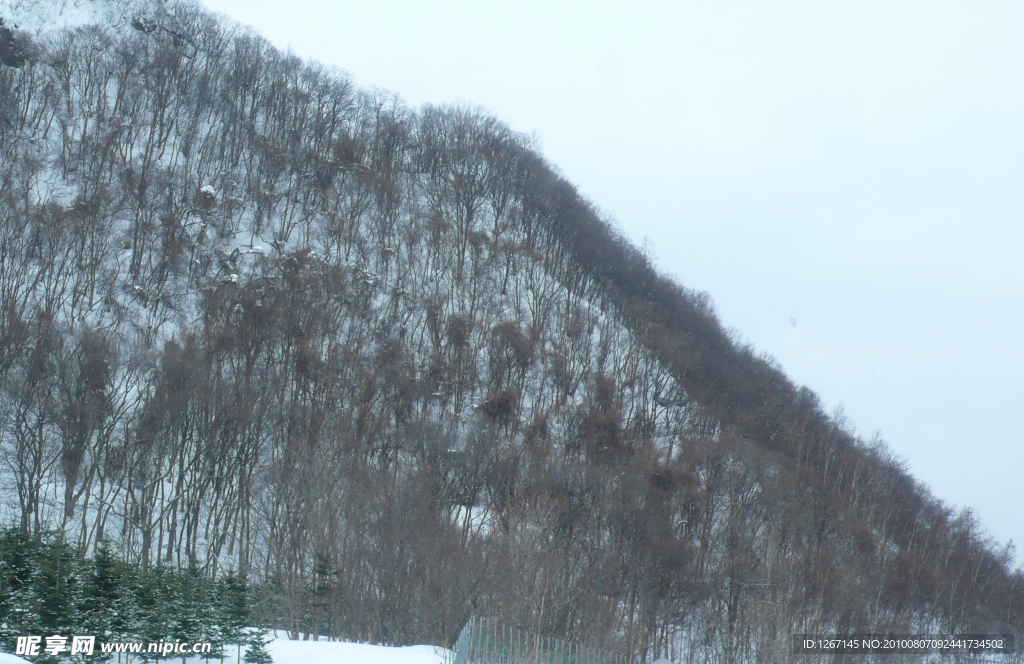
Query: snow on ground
x=11 y=659
x=285 y=651
x=40 y=16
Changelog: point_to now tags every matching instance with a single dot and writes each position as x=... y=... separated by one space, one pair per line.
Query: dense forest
x=389 y=367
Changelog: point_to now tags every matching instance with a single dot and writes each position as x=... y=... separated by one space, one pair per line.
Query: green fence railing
x=484 y=641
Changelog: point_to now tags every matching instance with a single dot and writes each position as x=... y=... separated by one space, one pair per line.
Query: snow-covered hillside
x=39 y=16
x=285 y=651
x=388 y=366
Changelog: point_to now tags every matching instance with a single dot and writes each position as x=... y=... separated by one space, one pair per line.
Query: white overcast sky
x=846 y=179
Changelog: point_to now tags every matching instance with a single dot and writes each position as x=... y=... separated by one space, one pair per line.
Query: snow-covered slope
x=39 y=16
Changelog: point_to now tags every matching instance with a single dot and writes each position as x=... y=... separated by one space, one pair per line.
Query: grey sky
x=855 y=168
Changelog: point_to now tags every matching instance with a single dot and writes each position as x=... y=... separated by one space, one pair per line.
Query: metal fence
x=484 y=641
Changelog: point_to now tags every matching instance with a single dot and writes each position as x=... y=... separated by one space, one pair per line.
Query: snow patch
x=41 y=16
x=11 y=659
x=285 y=651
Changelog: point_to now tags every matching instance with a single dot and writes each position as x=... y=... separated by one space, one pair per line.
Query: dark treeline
x=48 y=588
x=389 y=366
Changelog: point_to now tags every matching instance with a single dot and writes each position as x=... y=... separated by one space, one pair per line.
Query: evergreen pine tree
x=190 y=612
x=157 y=592
x=234 y=610
x=125 y=625
x=58 y=590
x=103 y=604
x=214 y=631
x=323 y=586
x=20 y=568
x=257 y=653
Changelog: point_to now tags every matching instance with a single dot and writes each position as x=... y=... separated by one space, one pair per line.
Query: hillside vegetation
x=387 y=364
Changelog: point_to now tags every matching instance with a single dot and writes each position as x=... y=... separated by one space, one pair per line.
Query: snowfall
x=285 y=651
